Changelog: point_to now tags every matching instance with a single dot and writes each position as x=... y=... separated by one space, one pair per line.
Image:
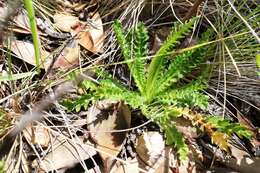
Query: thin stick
x=192 y=10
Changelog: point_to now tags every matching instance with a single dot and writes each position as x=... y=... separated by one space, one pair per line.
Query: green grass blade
x=8 y=77
x=29 y=7
x=258 y=60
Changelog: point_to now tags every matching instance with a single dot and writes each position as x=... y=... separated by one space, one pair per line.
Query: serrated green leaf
x=174 y=137
x=156 y=66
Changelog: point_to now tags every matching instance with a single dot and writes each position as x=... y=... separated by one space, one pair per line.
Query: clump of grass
x=235 y=72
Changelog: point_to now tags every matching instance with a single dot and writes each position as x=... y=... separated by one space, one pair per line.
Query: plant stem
x=29 y=7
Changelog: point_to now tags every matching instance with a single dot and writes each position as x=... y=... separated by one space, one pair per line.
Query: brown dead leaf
x=242 y=161
x=93 y=38
x=152 y=156
x=106 y=116
x=91 y=35
x=64 y=154
x=65 y=22
x=25 y=51
x=22 y=20
x=150 y=151
x=69 y=57
x=37 y=135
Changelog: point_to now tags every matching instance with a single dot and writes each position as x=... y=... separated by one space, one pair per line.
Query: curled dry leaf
x=106 y=116
x=65 y=22
x=25 y=51
x=93 y=38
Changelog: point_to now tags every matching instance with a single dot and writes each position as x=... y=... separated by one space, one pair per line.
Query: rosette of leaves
x=161 y=93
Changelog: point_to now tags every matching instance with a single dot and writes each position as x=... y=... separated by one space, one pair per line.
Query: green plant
x=258 y=62
x=1 y=166
x=161 y=93
x=29 y=7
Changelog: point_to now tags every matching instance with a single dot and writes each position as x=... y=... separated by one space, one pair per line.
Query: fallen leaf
x=150 y=150
x=255 y=143
x=242 y=161
x=69 y=57
x=22 y=25
x=90 y=36
x=106 y=116
x=63 y=155
x=152 y=156
x=22 y=20
x=65 y=22
x=93 y=38
x=37 y=135
x=25 y=51
x=3 y=12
